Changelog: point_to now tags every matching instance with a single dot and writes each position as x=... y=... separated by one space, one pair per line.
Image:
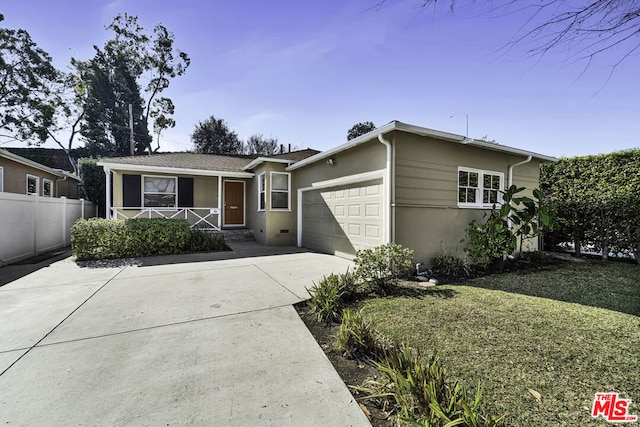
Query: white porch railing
x=206 y=218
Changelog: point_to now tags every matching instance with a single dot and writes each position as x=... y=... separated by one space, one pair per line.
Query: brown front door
x=233 y=203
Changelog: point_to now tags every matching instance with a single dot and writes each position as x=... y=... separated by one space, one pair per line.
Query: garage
x=344 y=219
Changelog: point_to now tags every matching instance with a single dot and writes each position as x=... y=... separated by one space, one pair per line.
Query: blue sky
x=306 y=71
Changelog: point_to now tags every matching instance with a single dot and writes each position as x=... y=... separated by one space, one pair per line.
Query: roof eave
x=256 y=162
x=422 y=131
x=172 y=170
x=22 y=160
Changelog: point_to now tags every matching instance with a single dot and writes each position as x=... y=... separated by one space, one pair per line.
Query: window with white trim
x=479 y=188
x=47 y=188
x=262 y=191
x=33 y=183
x=159 y=191
x=280 y=195
x=1 y=179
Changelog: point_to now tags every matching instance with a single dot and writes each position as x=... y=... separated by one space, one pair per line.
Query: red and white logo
x=612 y=408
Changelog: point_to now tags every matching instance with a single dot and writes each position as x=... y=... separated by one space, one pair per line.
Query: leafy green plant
x=451 y=264
x=421 y=395
x=326 y=298
x=202 y=241
x=99 y=238
x=383 y=265
x=357 y=335
x=490 y=242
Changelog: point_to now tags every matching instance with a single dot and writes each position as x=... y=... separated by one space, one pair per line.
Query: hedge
x=99 y=238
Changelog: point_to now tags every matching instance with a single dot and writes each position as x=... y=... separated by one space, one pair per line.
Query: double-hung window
x=280 y=194
x=47 y=188
x=262 y=191
x=159 y=192
x=33 y=182
x=479 y=188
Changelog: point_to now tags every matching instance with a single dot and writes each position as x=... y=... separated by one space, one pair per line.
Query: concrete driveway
x=177 y=343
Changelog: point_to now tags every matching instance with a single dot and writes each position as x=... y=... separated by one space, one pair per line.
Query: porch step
x=239 y=235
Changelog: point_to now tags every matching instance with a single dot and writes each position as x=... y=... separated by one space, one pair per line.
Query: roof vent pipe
x=387 y=190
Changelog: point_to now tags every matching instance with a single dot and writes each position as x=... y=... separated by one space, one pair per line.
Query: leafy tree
x=111 y=88
x=100 y=90
x=29 y=87
x=360 y=129
x=586 y=28
x=213 y=136
x=94 y=182
x=258 y=144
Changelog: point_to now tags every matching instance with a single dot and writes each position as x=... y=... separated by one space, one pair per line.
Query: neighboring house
x=23 y=176
x=55 y=158
x=399 y=183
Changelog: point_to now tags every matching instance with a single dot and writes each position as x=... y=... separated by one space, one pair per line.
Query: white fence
x=32 y=225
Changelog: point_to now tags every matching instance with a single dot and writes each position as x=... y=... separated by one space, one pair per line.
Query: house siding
x=15 y=180
x=426 y=215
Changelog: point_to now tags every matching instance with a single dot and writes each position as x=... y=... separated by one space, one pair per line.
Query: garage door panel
x=343 y=219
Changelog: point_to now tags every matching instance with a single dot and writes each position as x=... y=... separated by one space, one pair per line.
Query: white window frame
x=44 y=181
x=271 y=191
x=262 y=191
x=479 y=191
x=175 y=205
x=37 y=178
x=1 y=179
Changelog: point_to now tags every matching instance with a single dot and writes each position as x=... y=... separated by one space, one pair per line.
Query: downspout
x=512 y=167
x=58 y=185
x=388 y=189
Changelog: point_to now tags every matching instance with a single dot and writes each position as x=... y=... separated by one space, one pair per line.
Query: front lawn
x=565 y=332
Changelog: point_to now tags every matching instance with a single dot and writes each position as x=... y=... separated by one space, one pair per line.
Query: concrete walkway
x=181 y=340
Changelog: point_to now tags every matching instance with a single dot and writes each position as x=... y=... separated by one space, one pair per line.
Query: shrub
x=326 y=298
x=99 y=238
x=421 y=395
x=383 y=265
x=158 y=236
x=202 y=241
x=356 y=336
x=451 y=264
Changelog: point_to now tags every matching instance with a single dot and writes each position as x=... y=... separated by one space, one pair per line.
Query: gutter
x=388 y=188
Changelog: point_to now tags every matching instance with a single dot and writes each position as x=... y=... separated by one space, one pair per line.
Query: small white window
x=479 y=188
x=159 y=192
x=33 y=183
x=262 y=193
x=47 y=188
x=280 y=195
x=1 y=179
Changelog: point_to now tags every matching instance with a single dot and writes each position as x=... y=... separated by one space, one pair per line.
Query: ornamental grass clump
x=357 y=336
x=418 y=392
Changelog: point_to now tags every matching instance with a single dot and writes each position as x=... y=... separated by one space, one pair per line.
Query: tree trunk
x=576 y=244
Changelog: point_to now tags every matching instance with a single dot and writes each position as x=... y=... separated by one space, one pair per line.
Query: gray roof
x=296 y=156
x=211 y=162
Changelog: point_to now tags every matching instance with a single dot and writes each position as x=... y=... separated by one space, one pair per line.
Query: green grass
x=560 y=343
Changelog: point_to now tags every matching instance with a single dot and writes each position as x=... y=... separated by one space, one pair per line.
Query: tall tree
x=105 y=86
x=585 y=28
x=213 y=136
x=360 y=129
x=111 y=89
x=258 y=144
x=29 y=87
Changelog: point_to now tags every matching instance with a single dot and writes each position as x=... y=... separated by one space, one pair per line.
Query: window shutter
x=131 y=191
x=185 y=192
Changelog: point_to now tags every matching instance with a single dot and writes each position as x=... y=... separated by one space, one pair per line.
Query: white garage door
x=343 y=220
